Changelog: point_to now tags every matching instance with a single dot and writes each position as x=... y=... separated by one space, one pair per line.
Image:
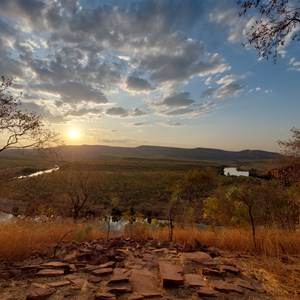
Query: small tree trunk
x=171 y=227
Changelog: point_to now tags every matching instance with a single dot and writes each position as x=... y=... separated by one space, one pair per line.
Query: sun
x=74 y=134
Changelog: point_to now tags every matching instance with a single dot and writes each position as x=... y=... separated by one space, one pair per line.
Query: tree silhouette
x=21 y=129
x=279 y=22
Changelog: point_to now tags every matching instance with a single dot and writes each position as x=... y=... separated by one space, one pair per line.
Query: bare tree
x=292 y=146
x=21 y=129
x=279 y=21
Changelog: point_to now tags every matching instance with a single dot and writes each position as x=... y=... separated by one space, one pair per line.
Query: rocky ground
x=124 y=269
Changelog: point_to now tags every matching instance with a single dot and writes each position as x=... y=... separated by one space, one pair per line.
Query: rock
x=169 y=274
x=50 y=272
x=120 y=290
x=40 y=294
x=59 y=283
x=245 y=284
x=104 y=296
x=102 y=271
x=194 y=280
x=142 y=281
x=110 y=264
x=94 y=279
x=194 y=257
x=151 y=295
x=56 y=264
x=136 y=297
x=231 y=269
x=205 y=292
x=224 y=286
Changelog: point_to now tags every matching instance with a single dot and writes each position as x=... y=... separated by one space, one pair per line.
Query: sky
x=149 y=72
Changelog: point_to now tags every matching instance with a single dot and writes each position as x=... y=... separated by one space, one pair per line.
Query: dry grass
x=21 y=239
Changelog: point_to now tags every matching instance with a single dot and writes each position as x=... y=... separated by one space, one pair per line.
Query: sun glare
x=74 y=134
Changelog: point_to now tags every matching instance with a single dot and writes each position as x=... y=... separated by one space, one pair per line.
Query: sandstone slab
x=194 y=280
x=104 y=296
x=59 y=283
x=102 y=271
x=40 y=294
x=50 y=272
x=205 y=292
x=169 y=274
x=142 y=281
x=227 y=287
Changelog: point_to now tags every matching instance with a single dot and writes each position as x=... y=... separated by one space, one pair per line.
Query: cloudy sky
x=148 y=72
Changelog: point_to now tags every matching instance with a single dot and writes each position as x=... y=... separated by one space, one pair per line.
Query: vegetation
x=21 y=129
x=279 y=19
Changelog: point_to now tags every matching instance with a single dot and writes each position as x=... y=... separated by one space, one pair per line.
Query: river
x=231 y=171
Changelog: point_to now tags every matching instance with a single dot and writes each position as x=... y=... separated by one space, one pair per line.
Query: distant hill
x=148 y=152
x=157 y=152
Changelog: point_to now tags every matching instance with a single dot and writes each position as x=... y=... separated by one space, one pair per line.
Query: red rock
x=169 y=274
x=142 y=281
x=224 y=286
x=110 y=264
x=120 y=290
x=194 y=280
x=195 y=257
x=231 y=269
x=50 y=272
x=205 y=292
x=40 y=294
x=151 y=295
x=56 y=264
x=59 y=283
x=104 y=296
x=102 y=271
x=245 y=284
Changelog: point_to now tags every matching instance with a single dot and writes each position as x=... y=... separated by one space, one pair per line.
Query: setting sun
x=74 y=134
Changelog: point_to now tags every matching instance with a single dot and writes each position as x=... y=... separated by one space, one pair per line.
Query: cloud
x=117 y=112
x=137 y=112
x=122 y=112
x=295 y=64
x=169 y=123
x=74 y=92
x=138 y=84
x=177 y=99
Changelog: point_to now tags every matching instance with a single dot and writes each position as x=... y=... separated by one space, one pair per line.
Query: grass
x=277 y=253
x=20 y=239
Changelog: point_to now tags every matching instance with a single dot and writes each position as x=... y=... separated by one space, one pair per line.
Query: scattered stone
x=102 y=271
x=94 y=279
x=136 y=297
x=104 y=296
x=194 y=280
x=205 y=292
x=231 y=269
x=110 y=264
x=50 y=272
x=59 y=283
x=40 y=294
x=142 y=281
x=194 y=257
x=151 y=295
x=120 y=290
x=169 y=274
x=56 y=264
x=224 y=286
x=245 y=284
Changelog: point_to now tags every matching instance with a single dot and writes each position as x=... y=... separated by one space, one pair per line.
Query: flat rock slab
x=227 y=287
x=102 y=271
x=40 y=294
x=194 y=280
x=56 y=264
x=110 y=264
x=195 y=257
x=245 y=284
x=50 y=272
x=104 y=296
x=59 y=283
x=169 y=274
x=142 y=281
x=120 y=290
x=205 y=292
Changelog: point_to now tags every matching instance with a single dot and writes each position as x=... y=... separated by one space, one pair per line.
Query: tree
x=292 y=146
x=21 y=129
x=280 y=21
